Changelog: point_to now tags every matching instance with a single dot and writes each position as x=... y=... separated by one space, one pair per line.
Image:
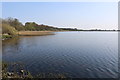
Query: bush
x=7 y=29
x=14 y=23
x=6 y=36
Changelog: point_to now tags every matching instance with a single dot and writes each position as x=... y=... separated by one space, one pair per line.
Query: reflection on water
x=75 y=54
x=11 y=45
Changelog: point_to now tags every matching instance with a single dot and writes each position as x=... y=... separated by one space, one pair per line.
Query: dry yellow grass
x=35 y=33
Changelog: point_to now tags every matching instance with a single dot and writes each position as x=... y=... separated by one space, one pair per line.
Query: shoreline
x=29 y=33
x=35 y=33
x=42 y=33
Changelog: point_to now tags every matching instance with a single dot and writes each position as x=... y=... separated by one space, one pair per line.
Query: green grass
x=6 y=36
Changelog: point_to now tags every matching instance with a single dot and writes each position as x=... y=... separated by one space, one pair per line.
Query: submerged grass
x=18 y=72
x=15 y=73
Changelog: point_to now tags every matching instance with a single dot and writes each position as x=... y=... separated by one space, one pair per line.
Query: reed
x=35 y=33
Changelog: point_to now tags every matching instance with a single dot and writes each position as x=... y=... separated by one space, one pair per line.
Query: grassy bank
x=35 y=33
x=28 y=33
x=6 y=37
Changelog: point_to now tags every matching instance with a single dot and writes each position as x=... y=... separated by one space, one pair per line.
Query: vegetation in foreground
x=17 y=70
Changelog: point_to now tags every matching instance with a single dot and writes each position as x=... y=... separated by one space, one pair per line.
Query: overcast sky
x=83 y=15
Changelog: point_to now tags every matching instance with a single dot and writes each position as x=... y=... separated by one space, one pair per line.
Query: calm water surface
x=75 y=54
